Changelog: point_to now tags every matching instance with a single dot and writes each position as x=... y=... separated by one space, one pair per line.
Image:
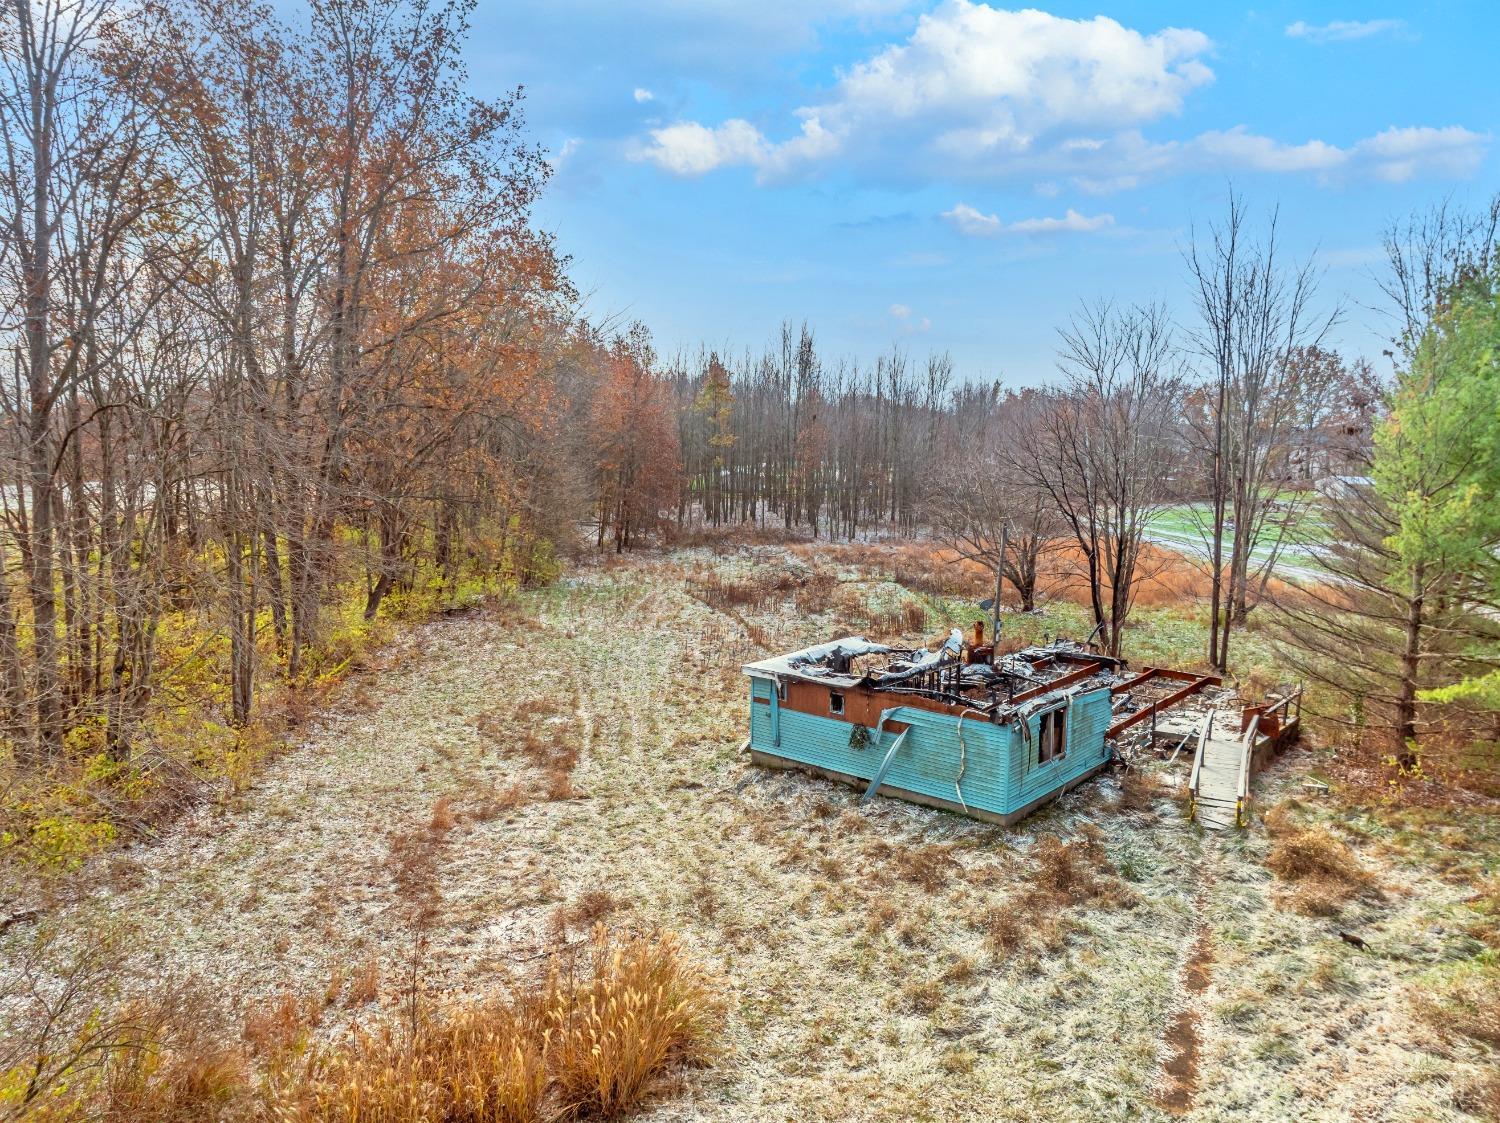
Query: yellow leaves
x=59 y=843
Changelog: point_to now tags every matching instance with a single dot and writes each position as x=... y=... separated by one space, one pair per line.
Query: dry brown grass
x=491 y=803
x=642 y=1010
x=1062 y=875
x=176 y=1072
x=1167 y=577
x=723 y=539
x=1139 y=790
x=443 y=817
x=927 y=866
x=481 y=1064
x=1077 y=872
x=1467 y=1003
x=414 y=858
x=1321 y=870
x=364 y=984
x=1486 y=903
x=1481 y=1097
x=815 y=595
x=538 y=730
x=723 y=593
x=907 y=618
x=922 y=996
x=591 y=1042
x=586 y=911
x=277 y=1025
x=1019 y=923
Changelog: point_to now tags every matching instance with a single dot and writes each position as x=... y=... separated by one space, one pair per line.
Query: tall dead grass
x=767 y=587
x=642 y=1009
x=590 y=1042
x=1167 y=578
x=1321 y=872
x=483 y=1063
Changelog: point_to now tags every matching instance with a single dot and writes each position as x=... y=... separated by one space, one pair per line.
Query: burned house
x=957 y=728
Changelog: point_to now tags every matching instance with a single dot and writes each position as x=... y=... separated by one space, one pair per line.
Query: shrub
x=1322 y=870
x=60 y=842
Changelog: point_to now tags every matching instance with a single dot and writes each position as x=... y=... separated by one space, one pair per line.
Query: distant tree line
x=1231 y=417
x=1237 y=417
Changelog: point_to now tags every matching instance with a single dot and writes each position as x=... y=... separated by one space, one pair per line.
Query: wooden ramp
x=1219 y=781
x=1224 y=766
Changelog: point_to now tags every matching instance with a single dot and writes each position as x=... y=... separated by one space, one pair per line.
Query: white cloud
x=906 y=323
x=972 y=221
x=688 y=148
x=643 y=95
x=978 y=82
x=976 y=224
x=1072 y=221
x=1397 y=155
x=569 y=146
x=1342 y=30
x=985 y=95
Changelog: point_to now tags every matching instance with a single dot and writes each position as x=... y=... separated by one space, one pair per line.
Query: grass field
x=1103 y=959
x=1182 y=527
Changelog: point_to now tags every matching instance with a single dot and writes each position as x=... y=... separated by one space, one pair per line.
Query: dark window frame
x=836 y=703
x=1052 y=736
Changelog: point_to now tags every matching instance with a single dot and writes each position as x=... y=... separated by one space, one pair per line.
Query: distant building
x=1343 y=487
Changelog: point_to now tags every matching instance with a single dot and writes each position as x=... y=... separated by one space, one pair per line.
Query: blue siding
x=995 y=776
x=1085 y=750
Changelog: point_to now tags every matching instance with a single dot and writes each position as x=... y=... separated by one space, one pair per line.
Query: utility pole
x=995 y=604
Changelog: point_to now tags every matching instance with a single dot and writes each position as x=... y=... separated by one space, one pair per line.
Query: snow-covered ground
x=851 y=942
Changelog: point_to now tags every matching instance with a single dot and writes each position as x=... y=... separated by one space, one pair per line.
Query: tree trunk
x=1411 y=657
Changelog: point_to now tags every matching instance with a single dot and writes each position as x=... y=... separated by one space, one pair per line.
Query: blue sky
x=956 y=176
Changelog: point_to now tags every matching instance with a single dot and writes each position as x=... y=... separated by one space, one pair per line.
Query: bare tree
x=1105 y=447
x=76 y=180
x=979 y=496
x=1255 y=314
x=1426 y=254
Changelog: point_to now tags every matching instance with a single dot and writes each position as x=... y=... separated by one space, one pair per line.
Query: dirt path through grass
x=1181 y=1041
